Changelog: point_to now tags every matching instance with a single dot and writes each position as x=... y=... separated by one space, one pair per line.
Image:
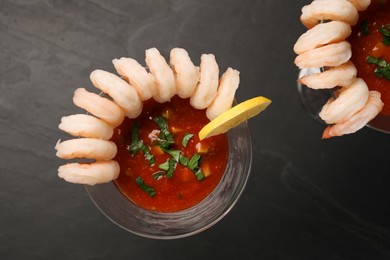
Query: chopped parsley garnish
x=385 y=31
x=174 y=153
x=158 y=175
x=165 y=140
x=169 y=167
x=386 y=41
x=192 y=164
x=137 y=145
x=183 y=160
x=186 y=138
x=146 y=188
x=199 y=174
x=383 y=67
x=135 y=142
x=165 y=137
x=365 y=27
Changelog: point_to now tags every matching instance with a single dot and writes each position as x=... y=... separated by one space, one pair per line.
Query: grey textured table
x=306 y=198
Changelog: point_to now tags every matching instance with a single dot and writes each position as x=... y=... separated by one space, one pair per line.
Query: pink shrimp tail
x=326 y=134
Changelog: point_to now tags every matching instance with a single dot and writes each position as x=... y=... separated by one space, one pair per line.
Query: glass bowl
x=313 y=100
x=116 y=207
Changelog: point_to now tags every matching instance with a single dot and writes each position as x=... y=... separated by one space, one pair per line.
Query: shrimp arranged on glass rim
x=372 y=107
x=335 y=10
x=324 y=45
x=86 y=126
x=89 y=173
x=349 y=100
x=124 y=96
x=342 y=76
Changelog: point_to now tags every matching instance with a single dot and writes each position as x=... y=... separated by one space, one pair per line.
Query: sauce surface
x=183 y=190
x=376 y=15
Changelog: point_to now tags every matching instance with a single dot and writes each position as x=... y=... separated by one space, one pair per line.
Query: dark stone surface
x=306 y=198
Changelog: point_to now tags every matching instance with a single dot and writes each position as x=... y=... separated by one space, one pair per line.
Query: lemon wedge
x=234 y=116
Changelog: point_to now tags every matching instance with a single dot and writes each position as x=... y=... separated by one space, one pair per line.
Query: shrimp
x=98 y=106
x=370 y=110
x=186 y=74
x=342 y=76
x=360 y=5
x=137 y=76
x=206 y=90
x=322 y=34
x=86 y=126
x=338 y=10
x=350 y=100
x=163 y=75
x=227 y=88
x=119 y=90
x=86 y=148
x=89 y=173
x=330 y=55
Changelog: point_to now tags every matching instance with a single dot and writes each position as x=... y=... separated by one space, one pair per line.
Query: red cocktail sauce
x=183 y=190
x=376 y=15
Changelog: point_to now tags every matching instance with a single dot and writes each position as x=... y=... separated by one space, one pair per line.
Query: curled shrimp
x=137 y=76
x=342 y=76
x=338 y=10
x=322 y=34
x=98 y=106
x=350 y=100
x=206 y=89
x=329 y=55
x=86 y=148
x=370 y=110
x=360 y=5
x=186 y=73
x=163 y=75
x=86 y=126
x=89 y=173
x=119 y=90
x=224 y=99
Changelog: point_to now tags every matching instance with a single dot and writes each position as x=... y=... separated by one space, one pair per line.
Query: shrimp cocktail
x=350 y=41
x=159 y=133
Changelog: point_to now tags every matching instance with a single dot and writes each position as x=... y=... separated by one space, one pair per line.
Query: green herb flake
x=161 y=122
x=386 y=41
x=169 y=167
x=193 y=165
x=166 y=137
x=179 y=196
x=164 y=166
x=186 y=138
x=135 y=142
x=383 y=69
x=146 y=188
x=174 y=153
x=137 y=145
x=194 y=162
x=157 y=175
x=382 y=73
x=199 y=174
x=183 y=160
x=385 y=31
x=376 y=61
x=365 y=27
x=148 y=156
